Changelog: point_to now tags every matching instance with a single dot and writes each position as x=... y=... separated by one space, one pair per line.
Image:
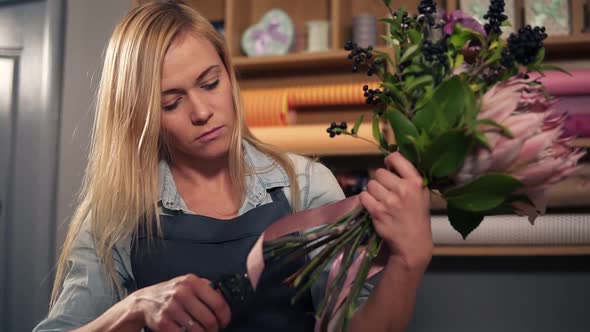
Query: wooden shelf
x=511 y=250
x=310 y=62
x=292 y=62
x=575 y=46
x=582 y=142
x=312 y=140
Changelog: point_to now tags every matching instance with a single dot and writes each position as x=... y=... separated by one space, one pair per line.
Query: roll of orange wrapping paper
x=322 y=95
x=277 y=107
x=266 y=107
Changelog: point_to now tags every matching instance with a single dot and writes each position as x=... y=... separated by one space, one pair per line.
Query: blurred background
x=508 y=275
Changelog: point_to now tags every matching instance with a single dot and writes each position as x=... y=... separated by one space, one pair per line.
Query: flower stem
x=323 y=261
x=350 y=304
x=384 y=151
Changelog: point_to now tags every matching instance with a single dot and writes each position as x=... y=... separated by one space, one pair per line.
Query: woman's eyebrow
x=197 y=81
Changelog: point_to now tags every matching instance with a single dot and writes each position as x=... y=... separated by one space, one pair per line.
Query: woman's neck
x=206 y=187
x=206 y=174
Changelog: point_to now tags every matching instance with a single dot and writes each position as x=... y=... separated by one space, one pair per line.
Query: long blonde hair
x=120 y=187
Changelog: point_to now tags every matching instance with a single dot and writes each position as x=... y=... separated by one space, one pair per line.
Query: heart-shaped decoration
x=272 y=35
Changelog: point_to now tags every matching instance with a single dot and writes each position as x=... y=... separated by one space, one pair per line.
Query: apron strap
x=277 y=194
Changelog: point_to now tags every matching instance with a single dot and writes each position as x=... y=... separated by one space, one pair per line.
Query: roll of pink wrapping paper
x=560 y=84
x=578 y=124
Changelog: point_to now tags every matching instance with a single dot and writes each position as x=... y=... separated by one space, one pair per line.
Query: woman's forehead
x=188 y=56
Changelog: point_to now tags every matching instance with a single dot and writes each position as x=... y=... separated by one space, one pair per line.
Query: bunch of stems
x=344 y=237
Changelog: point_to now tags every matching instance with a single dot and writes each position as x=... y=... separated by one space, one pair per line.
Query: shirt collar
x=267 y=174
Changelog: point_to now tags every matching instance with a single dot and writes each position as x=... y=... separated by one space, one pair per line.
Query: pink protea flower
x=536 y=154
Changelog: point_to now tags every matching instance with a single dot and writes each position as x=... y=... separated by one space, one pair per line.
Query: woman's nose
x=200 y=112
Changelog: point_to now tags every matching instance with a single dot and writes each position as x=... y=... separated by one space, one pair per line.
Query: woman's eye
x=171 y=106
x=212 y=85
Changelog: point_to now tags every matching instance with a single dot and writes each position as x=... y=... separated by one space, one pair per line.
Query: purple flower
x=464 y=20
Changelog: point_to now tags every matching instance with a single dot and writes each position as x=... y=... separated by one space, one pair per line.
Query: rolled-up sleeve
x=86 y=291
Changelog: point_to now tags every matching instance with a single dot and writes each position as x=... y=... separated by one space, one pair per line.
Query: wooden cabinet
x=332 y=67
x=300 y=68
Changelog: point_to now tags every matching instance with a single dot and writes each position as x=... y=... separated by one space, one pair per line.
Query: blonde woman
x=177 y=190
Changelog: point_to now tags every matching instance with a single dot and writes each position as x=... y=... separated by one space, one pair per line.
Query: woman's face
x=197 y=104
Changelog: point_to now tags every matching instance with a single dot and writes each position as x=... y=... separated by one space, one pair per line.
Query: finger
x=178 y=313
x=388 y=179
x=375 y=208
x=396 y=161
x=165 y=325
x=379 y=192
x=212 y=299
x=195 y=328
x=199 y=312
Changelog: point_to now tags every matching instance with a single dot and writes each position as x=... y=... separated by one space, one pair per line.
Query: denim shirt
x=87 y=291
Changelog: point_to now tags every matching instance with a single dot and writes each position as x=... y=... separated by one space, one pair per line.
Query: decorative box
x=554 y=15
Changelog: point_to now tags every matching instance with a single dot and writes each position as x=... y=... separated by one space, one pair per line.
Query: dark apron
x=213 y=248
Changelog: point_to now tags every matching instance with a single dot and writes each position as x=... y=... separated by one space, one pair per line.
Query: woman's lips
x=210 y=135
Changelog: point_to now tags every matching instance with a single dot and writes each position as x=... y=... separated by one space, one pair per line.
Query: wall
x=508 y=294
x=89 y=26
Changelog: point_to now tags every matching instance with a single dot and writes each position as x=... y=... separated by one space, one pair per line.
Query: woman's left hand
x=400 y=208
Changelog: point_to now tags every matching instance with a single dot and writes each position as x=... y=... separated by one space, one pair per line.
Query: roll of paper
x=318 y=36
x=265 y=107
x=364 y=30
x=560 y=84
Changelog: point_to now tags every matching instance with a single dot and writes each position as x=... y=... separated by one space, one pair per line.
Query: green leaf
x=422 y=141
x=413 y=69
x=376 y=128
x=405 y=133
x=410 y=53
x=384 y=56
x=444 y=109
x=387 y=2
x=481 y=138
x=357 y=125
x=387 y=20
x=463 y=221
x=424 y=98
x=459 y=37
x=388 y=39
x=492 y=123
x=471 y=105
x=415 y=37
x=459 y=60
x=419 y=82
x=446 y=154
x=484 y=193
x=495 y=56
x=401 y=125
x=532 y=67
x=397 y=93
x=555 y=68
x=540 y=57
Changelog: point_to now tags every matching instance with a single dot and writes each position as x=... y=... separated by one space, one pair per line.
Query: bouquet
x=466 y=111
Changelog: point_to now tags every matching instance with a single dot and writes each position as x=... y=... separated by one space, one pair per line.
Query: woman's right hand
x=185 y=303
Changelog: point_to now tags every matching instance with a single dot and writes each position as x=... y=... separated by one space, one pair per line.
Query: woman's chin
x=212 y=150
